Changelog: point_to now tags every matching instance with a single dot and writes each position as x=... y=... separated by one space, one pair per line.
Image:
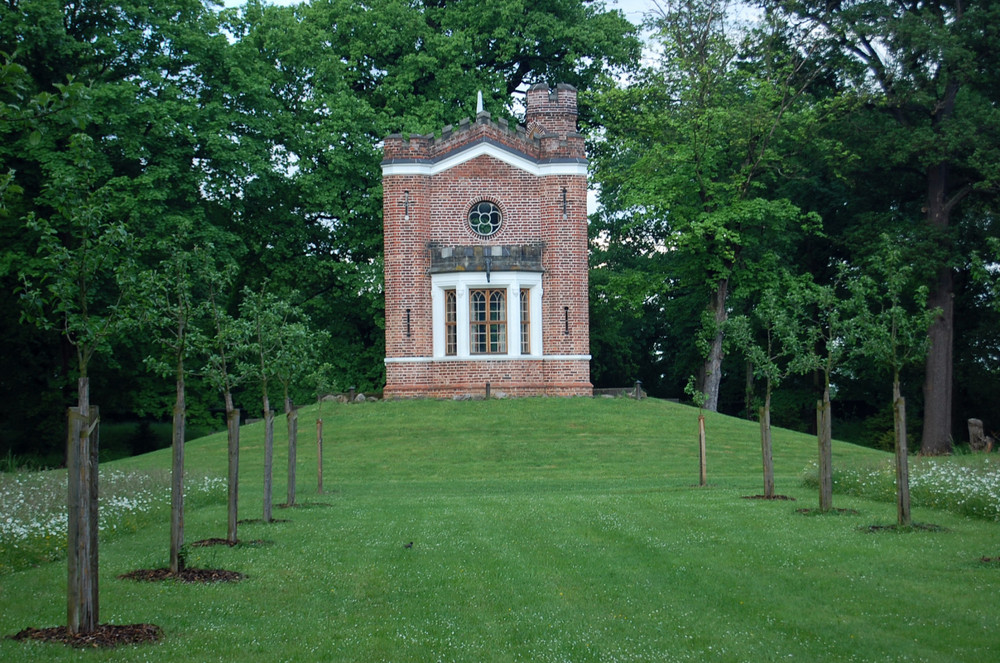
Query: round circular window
x=485 y=218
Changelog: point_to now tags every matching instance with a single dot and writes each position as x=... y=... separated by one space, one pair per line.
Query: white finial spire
x=479 y=103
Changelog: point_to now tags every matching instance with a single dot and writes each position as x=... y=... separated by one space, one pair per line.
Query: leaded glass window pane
x=525 y=321
x=488 y=321
x=485 y=218
x=450 y=321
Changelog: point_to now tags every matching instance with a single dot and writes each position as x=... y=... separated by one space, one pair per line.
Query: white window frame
x=462 y=283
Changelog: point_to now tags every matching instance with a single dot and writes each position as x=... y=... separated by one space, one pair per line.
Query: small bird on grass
x=408 y=545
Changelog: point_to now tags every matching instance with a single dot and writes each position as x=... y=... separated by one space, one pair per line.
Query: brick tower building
x=486 y=256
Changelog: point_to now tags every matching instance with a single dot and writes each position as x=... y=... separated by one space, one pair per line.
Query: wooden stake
x=902 y=461
x=233 y=428
x=268 y=462
x=823 y=435
x=177 y=486
x=702 y=460
x=765 y=451
x=82 y=604
x=292 y=419
x=319 y=456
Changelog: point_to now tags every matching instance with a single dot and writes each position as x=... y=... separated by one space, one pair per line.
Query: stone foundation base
x=513 y=378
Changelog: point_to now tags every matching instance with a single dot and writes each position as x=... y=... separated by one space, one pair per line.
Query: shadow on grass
x=184 y=575
x=830 y=512
x=904 y=529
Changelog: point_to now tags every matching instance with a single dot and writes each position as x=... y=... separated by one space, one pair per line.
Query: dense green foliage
x=251 y=133
x=794 y=143
x=584 y=539
x=744 y=149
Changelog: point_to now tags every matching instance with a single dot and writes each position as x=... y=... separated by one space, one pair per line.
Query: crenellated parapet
x=549 y=133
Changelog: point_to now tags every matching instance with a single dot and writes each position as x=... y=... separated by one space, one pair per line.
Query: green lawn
x=542 y=530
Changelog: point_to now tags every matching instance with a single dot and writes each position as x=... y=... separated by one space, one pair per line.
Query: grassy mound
x=538 y=530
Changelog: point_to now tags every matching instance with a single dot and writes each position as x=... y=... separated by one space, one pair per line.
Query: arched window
x=525 y=320
x=482 y=320
x=450 y=323
x=488 y=321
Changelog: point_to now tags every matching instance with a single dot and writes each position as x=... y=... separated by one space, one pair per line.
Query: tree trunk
x=233 y=429
x=319 y=456
x=712 y=369
x=936 y=438
x=292 y=420
x=902 y=459
x=765 y=443
x=177 y=480
x=824 y=435
x=702 y=455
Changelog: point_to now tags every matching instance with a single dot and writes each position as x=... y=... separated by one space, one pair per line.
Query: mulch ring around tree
x=769 y=497
x=183 y=575
x=193 y=575
x=255 y=543
x=105 y=635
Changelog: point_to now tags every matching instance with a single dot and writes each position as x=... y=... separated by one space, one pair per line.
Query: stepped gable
x=548 y=136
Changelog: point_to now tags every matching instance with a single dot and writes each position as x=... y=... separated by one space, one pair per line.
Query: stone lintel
x=480 y=258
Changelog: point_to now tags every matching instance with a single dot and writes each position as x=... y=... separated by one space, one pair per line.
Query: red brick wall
x=533 y=212
x=506 y=377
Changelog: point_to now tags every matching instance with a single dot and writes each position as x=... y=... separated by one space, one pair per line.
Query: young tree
x=294 y=359
x=79 y=283
x=173 y=293
x=225 y=347
x=812 y=327
x=276 y=339
x=890 y=329
x=766 y=338
x=697 y=144
x=320 y=377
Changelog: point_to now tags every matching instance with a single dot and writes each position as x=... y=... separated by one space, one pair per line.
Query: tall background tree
x=924 y=79
x=689 y=158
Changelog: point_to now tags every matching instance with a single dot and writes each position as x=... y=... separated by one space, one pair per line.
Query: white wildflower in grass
x=33 y=508
x=964 y=484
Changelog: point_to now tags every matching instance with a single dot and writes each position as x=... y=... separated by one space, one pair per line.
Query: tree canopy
x=796 y=141
x=257 y=129
x=738 y=146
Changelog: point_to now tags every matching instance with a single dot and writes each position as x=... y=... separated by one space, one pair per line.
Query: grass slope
x=542 y=530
